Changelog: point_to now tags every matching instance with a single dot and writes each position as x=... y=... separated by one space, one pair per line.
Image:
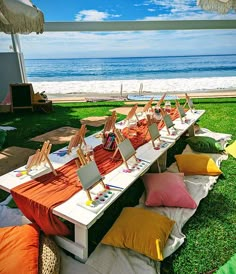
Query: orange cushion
x=19 y=249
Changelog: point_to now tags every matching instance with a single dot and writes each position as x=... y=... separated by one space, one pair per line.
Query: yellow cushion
x=231 y=149
x=141 y=230
x=197 y=164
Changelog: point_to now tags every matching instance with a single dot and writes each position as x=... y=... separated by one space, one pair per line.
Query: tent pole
x=17 y=49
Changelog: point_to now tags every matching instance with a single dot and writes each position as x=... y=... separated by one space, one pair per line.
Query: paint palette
x=136 y=167
x=22 y=173
x=61 y=153
x=98 y=200
x=161 y=145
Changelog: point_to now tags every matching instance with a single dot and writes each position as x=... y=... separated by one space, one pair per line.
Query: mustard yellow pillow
x=141 y=230
x=231 y=149
x=197 y=164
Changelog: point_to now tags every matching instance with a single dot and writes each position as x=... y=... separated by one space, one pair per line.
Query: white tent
x=20 y=16
x=16 y=17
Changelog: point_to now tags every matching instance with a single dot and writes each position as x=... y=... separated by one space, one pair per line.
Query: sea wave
x=135 y=86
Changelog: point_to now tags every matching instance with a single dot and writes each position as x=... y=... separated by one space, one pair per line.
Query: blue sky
x=124 y=44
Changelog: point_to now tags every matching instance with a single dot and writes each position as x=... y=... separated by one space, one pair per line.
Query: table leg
x=162 y=160
x=81 y=238
x=79 y=247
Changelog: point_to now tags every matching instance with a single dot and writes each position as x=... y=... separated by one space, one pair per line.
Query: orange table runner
x=37 y=198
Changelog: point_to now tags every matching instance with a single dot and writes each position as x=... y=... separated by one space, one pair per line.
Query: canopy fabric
x=220 y=6
x=20 y=16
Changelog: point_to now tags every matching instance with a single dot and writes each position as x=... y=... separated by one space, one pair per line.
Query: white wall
x=10 y=72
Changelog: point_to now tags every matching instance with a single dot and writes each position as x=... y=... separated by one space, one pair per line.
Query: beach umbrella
x=20 y=16
x=220 y=6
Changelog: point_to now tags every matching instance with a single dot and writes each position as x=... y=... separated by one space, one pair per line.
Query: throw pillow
x=204 y=144
x=167 y=189
x=19 y=249
x=197 y=164
x=141 y=230
x=231 y=149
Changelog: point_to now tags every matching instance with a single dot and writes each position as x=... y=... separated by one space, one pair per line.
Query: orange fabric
x=138 y=135
x=38 y=197
x=19 y=249
x=103 y=159
x=141 y=130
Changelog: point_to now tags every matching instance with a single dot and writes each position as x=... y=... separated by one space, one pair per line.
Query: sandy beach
x=197 y=87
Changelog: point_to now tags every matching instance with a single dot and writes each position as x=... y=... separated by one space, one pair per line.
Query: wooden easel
x=127 y=151
x=131 y=114
x=110 y=123
x=125 y=147
x=84 y=159
x=189 y=102
x=119 y=138
x=167 y=120
x=77 y=139
x=181 y=111
x=150 y=121
x=152 y=130
x=41 y=157
x=158 y=104
x=148 y=106
x=88 y=173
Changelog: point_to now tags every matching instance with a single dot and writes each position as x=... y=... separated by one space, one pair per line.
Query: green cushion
x=229 y=267
x=204 y=144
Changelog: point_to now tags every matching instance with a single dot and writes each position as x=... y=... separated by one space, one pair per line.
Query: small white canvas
x=154 y=132
x=126 y=149
x=190 y=103
x=167 y=120
x=181 y=111
x=89 y=175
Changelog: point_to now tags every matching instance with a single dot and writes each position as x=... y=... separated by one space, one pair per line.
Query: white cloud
x=184 y=10
x=136 y=43
x=93 y=15
x=118 y=44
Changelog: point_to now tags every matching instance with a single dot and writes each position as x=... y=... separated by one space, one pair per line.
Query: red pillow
x=167 y=189
x=19 y=249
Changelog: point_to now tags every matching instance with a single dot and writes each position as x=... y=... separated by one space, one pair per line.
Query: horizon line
x=116 y=57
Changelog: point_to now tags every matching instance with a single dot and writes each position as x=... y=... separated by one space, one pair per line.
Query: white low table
x=182 y=127
x=118 y=180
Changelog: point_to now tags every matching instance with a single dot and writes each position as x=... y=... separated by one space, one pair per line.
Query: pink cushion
x=167 y=189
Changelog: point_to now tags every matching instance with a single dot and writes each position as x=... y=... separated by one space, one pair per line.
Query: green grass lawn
x=211 y=232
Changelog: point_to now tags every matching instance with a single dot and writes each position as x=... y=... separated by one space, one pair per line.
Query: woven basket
x=49 y=256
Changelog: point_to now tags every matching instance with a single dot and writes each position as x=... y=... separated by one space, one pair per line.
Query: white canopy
x=221 y=6
x=20 y=16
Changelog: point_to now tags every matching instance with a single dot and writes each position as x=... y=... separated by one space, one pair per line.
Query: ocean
x=140 y=68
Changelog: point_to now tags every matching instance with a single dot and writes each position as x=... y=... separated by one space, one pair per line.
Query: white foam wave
x=133 y=86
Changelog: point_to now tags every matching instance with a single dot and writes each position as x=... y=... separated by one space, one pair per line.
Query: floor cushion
x=19 y=249
x=197 y=164
x=204 y=144
x=231 y=149
x=141 y=230
x=167 y=189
